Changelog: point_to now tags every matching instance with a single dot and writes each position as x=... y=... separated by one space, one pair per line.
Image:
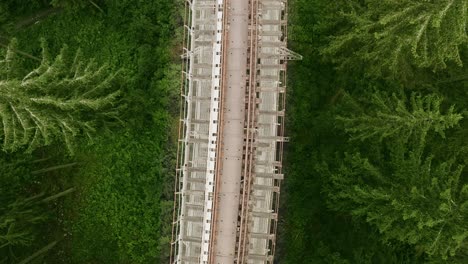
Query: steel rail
x=250 y=135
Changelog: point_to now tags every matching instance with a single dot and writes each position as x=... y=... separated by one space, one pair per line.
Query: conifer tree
x=390 y=116
x=408 y=197
x=392 y=36
x=58 y=100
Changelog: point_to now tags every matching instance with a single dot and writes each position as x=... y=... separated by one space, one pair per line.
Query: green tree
x=61 y=98
x=408 y=197
x=390 y=116
x=392 y=36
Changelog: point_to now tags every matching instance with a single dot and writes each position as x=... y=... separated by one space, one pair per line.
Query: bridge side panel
x=194 y=172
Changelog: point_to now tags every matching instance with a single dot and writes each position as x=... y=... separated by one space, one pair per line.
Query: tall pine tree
x=397 y=186
x=58 y=100
x=393 y=36
x=390 y=116
x=407 y=196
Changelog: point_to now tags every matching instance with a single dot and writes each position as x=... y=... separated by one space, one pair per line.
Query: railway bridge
x=231 y=133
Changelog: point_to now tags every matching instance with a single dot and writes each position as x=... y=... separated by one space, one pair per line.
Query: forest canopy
x=378 y=108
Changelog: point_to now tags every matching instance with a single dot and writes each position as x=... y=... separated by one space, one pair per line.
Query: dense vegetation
x=88 y=104
x=376 y=169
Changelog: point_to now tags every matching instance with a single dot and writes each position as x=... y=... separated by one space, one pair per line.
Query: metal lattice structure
x=263 y=170
x=231 y=133
x=198 y=131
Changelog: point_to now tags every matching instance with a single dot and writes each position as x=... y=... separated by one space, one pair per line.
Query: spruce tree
x=58 y=100
x=392 y=36
x=393 y=116
x=408 y=197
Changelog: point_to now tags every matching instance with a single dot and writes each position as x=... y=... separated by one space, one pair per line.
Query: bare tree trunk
x=57 y=167
x=21 y=53
x=40 y=160
x=95 y=5
x=36 y=17
x=58 y=195
x=455 y=79
x=39 y=252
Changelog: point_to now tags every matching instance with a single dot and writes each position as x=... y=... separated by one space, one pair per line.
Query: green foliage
x=404 y=137
x=5 y=22
x=391 y=116
x=393 y=36
x=60 y=98
x=122 y=216
x=122 y=209
x=69 y=4
x=409 y=198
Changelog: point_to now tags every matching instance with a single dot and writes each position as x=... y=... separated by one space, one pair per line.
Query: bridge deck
x=232 y=131
x=230 y=172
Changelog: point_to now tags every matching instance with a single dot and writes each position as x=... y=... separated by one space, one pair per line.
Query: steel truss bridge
x=231 y=134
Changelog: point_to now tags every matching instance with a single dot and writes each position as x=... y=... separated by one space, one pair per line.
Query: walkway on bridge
x=232 y=131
